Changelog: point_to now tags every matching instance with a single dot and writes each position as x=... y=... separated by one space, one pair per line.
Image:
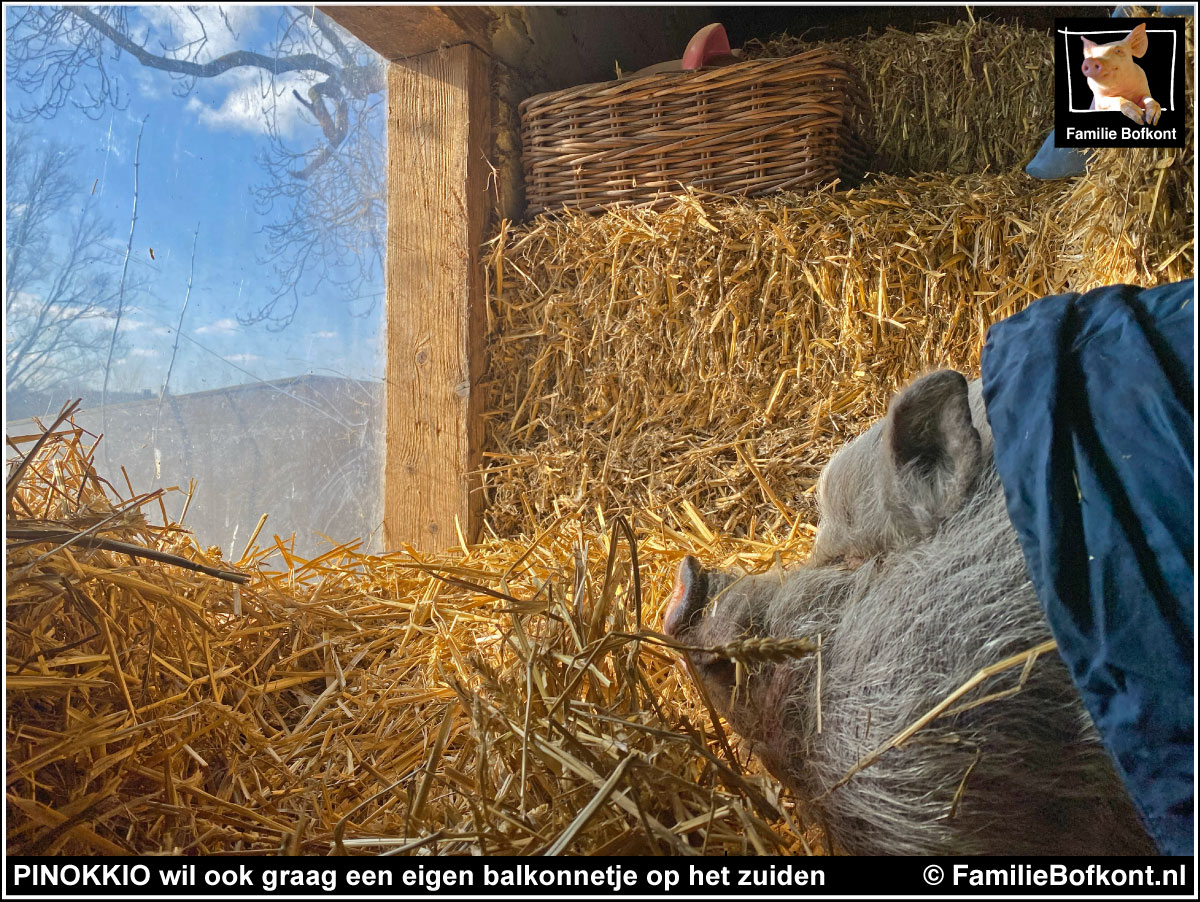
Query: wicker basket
x=750 y=127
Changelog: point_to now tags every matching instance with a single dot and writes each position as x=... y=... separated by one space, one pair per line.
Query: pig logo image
x=1117 y=82
x=1121 y=84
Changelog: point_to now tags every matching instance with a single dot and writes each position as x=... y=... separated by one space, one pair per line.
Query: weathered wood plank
x=400 y=31
x=439 y=125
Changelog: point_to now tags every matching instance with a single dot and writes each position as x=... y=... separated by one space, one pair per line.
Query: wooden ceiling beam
x=396 y=32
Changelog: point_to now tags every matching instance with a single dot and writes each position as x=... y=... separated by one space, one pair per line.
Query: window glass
x=195 y=222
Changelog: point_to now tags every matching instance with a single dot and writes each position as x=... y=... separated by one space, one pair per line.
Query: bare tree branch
x=301 y=62
x=324 y=202
x=179 y=327
x=137 y=160
x=60 y=285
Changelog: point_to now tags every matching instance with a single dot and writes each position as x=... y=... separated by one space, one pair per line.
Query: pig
x=1117 y=82
x=915 y=582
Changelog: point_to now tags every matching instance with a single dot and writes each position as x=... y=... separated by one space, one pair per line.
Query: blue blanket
x=1090 y=398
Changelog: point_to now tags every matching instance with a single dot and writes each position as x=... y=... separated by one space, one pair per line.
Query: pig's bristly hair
x=900 y=634
x=1012 y=771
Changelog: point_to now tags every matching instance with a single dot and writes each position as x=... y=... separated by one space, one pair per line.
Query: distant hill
x=21 y=404
x=307 y=450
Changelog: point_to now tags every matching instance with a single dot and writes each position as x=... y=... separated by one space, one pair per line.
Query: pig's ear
x=1088 y=46
x=933 y=449
x=1137 y=40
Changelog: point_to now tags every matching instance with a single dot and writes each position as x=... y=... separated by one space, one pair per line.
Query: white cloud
x=223 y=326
x=27 y=307
x=322 y=335
x=242 y=358
x=250 y=101
x=142 y=327
x=222 y=28
x=145 y=352
x=237 y=100
x=25 y=302
x=150 y=83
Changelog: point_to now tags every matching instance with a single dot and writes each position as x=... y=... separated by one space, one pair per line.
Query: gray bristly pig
x=916 y=582
x=1117 y=82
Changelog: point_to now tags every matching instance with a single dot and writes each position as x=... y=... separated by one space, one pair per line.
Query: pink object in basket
x=708 y=46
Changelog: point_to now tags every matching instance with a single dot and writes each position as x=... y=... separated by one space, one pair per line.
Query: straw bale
x=702 y=362
x=486 y=700
x=956 y=98
x=697 y=365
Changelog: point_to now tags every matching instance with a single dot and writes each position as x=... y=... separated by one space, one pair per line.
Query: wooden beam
x=395 y=32
x=439 y=126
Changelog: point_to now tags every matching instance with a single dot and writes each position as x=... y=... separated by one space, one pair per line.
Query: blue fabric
x=1090 y=398
x=1052 y=162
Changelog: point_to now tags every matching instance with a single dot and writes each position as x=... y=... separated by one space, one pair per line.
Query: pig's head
x=888 y=489
x=760 y=699
x=902 y=478
x=916 y=582
x=1112 y=64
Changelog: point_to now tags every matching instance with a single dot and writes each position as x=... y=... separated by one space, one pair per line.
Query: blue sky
x=198 y=166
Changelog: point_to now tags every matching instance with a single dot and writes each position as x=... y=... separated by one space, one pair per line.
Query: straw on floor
x=503 y=699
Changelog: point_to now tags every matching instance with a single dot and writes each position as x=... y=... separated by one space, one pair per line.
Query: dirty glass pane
x=194 y=247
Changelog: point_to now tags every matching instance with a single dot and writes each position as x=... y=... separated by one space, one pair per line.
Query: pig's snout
x=687 y=599
x=1092 y=68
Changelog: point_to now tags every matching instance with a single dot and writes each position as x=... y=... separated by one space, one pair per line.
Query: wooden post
x=439 y=125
